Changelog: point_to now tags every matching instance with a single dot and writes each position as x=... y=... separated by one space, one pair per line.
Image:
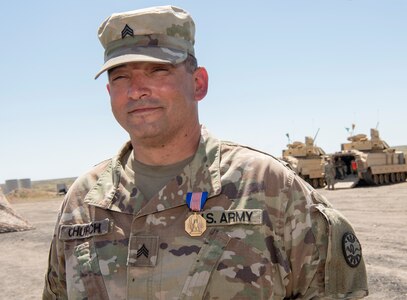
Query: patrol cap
x=163 y=34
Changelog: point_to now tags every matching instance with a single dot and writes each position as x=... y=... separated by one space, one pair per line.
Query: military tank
x=372 y=161
x=307 y=160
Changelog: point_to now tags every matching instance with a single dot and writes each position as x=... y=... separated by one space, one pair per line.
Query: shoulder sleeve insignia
x=352 y=250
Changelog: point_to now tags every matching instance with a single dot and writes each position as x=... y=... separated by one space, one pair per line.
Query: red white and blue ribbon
x=196 y=200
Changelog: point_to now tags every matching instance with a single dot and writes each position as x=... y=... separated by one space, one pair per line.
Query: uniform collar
x=200 y=175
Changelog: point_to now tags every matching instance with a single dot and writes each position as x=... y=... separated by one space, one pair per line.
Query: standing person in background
x=329 y=169
x=340 y=166
x=179 y=214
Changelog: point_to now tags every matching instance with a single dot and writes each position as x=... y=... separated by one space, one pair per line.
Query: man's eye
x=118 y=77
x=160 y=69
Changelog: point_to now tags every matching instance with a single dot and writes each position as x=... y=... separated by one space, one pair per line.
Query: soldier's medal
x=195 y=224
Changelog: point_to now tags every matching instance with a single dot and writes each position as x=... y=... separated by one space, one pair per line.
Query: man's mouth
x=144 y=110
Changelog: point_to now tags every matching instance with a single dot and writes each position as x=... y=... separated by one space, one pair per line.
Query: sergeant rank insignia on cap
x=127 y=31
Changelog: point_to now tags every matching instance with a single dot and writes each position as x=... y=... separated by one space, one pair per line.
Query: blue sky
x=275 y=67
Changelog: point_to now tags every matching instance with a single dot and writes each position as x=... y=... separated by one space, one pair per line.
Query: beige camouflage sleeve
x=315 y=239
x=55 y=278
x=55 y=283
x=306 y=266
x=344 y=273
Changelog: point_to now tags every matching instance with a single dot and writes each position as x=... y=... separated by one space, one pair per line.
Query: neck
x=179 y=148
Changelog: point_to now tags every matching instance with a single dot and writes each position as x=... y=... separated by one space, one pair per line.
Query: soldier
x=180 y=214
x=329 y=174
x=340 y=166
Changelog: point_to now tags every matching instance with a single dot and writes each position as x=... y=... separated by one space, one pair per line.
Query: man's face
x=155 y=102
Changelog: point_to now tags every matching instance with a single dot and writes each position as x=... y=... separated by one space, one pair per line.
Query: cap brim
x=145 y=54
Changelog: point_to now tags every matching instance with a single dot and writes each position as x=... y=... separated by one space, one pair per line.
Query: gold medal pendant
x=195 y=225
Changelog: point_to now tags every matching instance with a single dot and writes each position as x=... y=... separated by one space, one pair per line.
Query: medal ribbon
x=196 y=201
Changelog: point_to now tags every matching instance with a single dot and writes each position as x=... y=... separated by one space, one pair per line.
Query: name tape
x=82 y=231
x=233 y=217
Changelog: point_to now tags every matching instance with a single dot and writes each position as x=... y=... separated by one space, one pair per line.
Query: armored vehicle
x=10 y=220
x=307 y=160
x=369 y=160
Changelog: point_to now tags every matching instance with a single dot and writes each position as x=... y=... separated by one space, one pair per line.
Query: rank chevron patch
x=127 y=31
x=142 y=251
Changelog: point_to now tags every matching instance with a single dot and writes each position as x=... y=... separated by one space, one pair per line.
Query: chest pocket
x=228 y=268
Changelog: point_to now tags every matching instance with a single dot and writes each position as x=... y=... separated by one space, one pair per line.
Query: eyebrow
x=115 y=68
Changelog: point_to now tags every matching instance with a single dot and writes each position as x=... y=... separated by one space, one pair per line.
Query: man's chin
x=148 y=136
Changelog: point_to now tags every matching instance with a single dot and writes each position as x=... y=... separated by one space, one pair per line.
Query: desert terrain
x=379 y=215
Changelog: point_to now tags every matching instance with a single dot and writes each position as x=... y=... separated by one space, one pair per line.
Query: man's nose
x=138 y=88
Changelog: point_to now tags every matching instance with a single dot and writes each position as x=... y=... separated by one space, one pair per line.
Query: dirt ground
x=379 y=215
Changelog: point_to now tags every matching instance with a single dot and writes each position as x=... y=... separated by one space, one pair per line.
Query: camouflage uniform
x=330 y=175
x=269 y=235
x=340 y=166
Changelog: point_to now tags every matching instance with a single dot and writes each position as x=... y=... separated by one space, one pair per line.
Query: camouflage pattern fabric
x=329 y=174
x=164 y=34
x=110 y=243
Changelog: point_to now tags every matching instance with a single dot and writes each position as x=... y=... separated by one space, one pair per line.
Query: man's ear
x=201 y=83
x=108 y=88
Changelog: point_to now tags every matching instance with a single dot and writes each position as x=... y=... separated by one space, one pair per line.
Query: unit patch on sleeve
x=352 y=250
x=81 y=231
x=233 y=217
